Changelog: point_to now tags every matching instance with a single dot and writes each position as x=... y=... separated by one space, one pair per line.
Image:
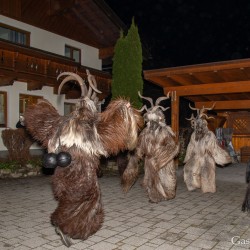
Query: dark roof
x=225 y=83
x=91 y=22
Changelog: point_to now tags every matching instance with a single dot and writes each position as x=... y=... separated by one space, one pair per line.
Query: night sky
x=181 y=32
x=186 y=32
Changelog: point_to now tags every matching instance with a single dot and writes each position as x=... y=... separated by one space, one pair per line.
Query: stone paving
x=191 y=221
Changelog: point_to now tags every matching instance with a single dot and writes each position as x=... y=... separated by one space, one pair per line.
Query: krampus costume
x=203 y=152
x=157 y=144
x=86 y=135
x=246 y=203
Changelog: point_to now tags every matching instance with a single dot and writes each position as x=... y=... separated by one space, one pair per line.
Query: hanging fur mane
x=202 y=155
x=86 y=135
x=157 y=146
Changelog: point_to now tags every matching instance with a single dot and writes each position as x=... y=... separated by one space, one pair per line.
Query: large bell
x=49 y=160
x=63 y=159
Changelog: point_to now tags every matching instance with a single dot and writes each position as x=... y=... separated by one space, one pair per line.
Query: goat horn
x=196 y=109
x=164 y=109
x=72 y=76
x=158 y=106
x=191 y=118
x=203 y=108
x=192 y=107
x=92 y=84
x=206 y=116
x=158 y=100
x=144 y=107
x=146 y=98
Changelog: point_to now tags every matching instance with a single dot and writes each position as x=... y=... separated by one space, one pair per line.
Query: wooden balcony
x=40 y=68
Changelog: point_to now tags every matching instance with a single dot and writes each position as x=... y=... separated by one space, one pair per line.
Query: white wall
x=13 y=103
x=48 y=41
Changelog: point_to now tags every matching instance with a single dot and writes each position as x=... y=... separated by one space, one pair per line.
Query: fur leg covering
x=80 y=212
x=246 y=203
x=131 y=173
x=200 y=162
x=160 y=185
x=208 y=176
x=192 y=174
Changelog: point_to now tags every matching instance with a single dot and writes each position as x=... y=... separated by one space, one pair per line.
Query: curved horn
x=196 y=109
x=146 y=98
x=203 y=110
x=191 y=118
x=206 y=116
x=66 y=79
x=209 y=108
x=144 y=107
x=92 y=84
x=164 y=109
x=193 y=108
x=72 y=76
x=158 y=106
x=158 y=100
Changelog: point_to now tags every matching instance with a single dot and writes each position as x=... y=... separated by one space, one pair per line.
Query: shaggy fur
x=157 y=146
x=86 y=135
x=119 y=126
x=202 y=155
x=246 y=203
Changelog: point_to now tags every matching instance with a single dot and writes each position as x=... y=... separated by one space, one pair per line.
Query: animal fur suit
x=202 y=155
x=157 y=146
x=87 y=135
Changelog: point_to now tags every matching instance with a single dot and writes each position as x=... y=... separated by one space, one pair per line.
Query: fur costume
x=87 y=135
x=202 y=155
x=157 y=145
x=246 y=203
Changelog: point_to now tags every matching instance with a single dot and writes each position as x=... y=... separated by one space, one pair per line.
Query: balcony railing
x=40 y=68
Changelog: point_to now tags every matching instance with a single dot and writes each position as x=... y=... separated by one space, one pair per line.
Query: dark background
x=180 y=32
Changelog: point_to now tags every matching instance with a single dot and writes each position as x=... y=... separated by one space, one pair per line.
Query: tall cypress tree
x=127 y=66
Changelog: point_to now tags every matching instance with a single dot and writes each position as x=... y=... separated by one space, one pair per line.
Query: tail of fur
x=246 y=203
x=131 y=173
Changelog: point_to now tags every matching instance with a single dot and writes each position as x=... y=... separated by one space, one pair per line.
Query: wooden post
x=175 y=102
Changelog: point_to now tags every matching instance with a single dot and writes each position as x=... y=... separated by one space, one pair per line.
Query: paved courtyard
x=190 y=221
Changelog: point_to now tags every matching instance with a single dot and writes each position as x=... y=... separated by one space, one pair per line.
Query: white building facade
x=49 y=42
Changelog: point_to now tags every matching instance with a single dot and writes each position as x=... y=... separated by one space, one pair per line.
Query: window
x=73 y=53
x=14 y=35
x=3 y=109
x=25 y=100
x=68 y=108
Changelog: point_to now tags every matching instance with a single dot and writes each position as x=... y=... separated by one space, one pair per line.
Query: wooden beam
x=6 y=80
x=34 y=85
x=175 y=107
x=225 y=105
x=209 y=89
x=206 y=67
x=106 y=52
x=175 y=103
